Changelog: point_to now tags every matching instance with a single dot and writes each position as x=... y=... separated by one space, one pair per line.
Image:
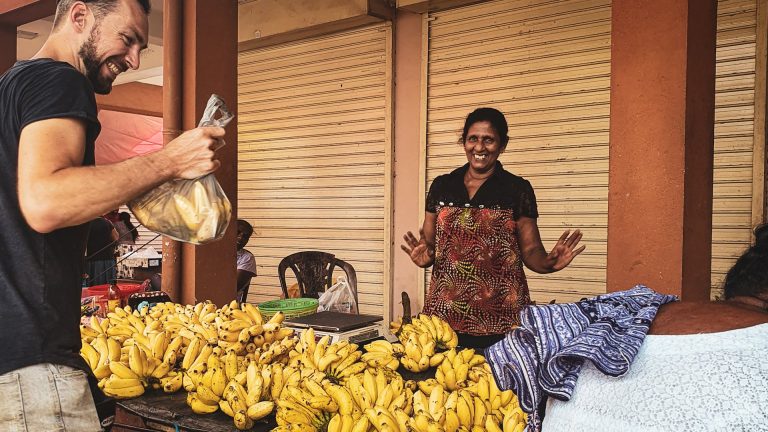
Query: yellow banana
x=172 y=384
x=123 y=392
x=260 y=410
x=122 y=370
x=242 y=421
x=198 y=406
x=90 y=355
x=206 y=395
x=490 y=425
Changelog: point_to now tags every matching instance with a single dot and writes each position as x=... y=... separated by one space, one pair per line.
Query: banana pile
x=458 y=369
x=437 y=329
x=382 y=353
x=416 y=354
x=337 y=361
x=231 y=359
x=205 y=350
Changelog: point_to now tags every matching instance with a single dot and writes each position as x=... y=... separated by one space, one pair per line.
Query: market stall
x=200 y=367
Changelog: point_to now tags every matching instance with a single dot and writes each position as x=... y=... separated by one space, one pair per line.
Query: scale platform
x=340 y=326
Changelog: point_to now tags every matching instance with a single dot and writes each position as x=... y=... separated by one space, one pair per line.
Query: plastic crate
x=126 y=289
x=292 y=308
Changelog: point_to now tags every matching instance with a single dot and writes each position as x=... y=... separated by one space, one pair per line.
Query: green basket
x=292 y=308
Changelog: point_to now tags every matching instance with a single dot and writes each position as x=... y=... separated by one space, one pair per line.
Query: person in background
x=50 y=190
x=479 y=229
x=701 y=367
x=100 y=252
x=126 y=230
x=246 y=262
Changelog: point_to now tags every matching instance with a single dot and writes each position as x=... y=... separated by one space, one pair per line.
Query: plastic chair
x=314 y=273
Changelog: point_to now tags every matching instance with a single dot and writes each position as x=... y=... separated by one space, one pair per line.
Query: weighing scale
x=340 y=326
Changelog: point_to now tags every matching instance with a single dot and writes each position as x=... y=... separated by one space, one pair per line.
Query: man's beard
x=92 y=65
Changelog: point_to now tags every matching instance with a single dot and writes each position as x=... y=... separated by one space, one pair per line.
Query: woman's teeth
x=480 y=157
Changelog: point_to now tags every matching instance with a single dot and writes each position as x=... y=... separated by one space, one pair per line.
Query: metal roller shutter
x=738 y=140
x=546 y=65
x=315 y=156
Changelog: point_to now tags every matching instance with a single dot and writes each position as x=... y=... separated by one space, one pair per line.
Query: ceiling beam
x=135 y=98
x=18 y=12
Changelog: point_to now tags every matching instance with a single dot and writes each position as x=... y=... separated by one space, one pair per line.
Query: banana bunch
x=382 y=353
x=276 y=351
x=437 y=329
x=419 y=353
x=337 y=361
x=294 y=413
x=502 y=406
x=207 y=379
x=93 y=329
x=244 y=330
x=99 y=352
x=453 y=372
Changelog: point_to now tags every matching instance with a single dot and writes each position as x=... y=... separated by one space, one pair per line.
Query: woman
x=479 y=228
x=701 y=368
x=125 y=228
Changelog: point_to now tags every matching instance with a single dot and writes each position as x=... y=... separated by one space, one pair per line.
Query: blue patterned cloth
x=543 y=357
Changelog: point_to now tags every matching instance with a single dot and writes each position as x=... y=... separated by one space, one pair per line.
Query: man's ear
x=79 y=16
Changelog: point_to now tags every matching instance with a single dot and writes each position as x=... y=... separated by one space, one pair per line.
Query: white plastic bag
x=338 y=298
x=194 y=211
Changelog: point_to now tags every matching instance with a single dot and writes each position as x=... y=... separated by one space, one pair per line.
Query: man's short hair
x=100 y=8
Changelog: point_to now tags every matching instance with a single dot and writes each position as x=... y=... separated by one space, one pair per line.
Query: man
x=246 y=262
x=50 y=190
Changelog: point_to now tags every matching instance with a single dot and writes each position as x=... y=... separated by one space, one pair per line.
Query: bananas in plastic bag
x=194 y=211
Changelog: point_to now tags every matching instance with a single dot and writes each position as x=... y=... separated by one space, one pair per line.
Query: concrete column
x=210 y=66
x=7 y=46
x=407 y=107
x=662 y=146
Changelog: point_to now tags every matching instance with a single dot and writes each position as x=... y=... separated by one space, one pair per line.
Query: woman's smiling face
x=482 y=146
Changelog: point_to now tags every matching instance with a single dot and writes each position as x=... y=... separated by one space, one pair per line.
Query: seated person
x=246 y=263
x=702 y=366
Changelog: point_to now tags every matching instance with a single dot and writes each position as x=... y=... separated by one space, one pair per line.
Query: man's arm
x=55 y=191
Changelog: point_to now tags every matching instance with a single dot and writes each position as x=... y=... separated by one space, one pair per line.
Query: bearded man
x=50 y=190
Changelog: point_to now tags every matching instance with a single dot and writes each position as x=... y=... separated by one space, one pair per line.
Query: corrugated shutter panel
x=734 y=135
x=546 y=65
x=314 y=150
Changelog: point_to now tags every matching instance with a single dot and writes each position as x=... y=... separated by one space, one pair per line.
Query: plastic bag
x=338 y=298
x=194 y=211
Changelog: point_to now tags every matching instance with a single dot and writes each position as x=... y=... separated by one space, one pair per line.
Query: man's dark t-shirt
x=40 y=274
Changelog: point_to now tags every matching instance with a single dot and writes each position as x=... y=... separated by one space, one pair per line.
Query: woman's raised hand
x=564 y=251
x=421 y=253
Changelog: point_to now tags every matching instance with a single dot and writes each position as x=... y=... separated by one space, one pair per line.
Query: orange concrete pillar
x=7 y=47
x=210 y=66
x=407 y=107
x=662 y=145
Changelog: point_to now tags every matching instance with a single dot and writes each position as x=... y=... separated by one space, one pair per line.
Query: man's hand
x=192 y=154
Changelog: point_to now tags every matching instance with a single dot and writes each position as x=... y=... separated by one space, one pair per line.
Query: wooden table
x=157 y=411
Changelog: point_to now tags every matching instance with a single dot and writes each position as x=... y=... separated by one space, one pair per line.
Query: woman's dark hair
x=492 y=116
x=749 y=276
x=126 y=218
